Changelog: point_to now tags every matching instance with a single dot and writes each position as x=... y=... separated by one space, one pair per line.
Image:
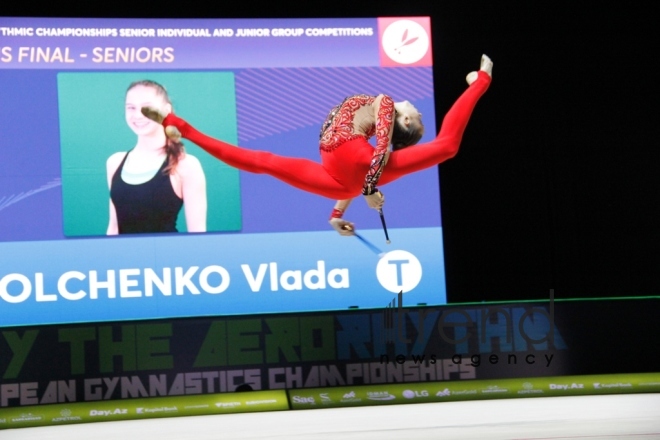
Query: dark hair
x=174 y=149
x=403 y=136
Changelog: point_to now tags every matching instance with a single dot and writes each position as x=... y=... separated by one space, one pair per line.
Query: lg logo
x=410 y=394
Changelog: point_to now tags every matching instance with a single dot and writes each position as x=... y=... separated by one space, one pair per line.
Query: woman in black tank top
x=152 y=182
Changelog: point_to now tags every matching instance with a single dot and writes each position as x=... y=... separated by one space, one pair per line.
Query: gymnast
x=350 y=165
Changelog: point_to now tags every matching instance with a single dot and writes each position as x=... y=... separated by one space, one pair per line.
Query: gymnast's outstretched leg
x=446 y=144
x=301 y=173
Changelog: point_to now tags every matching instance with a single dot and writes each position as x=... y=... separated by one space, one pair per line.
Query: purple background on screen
x=204 y=52
x=284 y=90
x=29 y=134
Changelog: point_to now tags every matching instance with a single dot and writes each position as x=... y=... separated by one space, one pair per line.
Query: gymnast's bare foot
x=486 y=66
x=171 y=131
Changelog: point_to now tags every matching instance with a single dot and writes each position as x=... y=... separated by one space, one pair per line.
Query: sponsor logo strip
x=386 y=394
x=143 y=408
x=277 y=400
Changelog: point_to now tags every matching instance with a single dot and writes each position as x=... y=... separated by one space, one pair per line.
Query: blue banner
x=114 y=279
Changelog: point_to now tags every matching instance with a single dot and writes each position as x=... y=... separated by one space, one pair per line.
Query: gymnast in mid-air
x=350 y=166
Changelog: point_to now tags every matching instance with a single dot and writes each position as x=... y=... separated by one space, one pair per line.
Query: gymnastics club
x=382 y=220
x=366 y=242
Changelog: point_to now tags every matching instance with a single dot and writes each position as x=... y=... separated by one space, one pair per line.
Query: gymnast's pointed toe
x=486 y=65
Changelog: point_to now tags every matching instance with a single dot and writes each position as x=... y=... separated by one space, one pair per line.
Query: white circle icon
x=405 y=41
x=399 y=271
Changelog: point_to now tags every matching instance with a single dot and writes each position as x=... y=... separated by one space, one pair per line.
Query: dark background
x=555 y=186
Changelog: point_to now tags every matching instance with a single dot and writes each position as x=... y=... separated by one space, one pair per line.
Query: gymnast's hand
x=342 y=226
x=158 y=116
x=375 y=200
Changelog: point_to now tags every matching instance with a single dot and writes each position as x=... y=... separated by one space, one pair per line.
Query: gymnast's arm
x=340 y=225
x=111 y=166
x=193 y=190
x=113 y=227
x=384 y=115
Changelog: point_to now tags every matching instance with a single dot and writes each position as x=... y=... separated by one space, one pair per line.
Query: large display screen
x=246 y=243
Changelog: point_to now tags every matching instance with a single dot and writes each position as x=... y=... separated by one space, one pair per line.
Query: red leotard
x=344 y=167
x=340 y=127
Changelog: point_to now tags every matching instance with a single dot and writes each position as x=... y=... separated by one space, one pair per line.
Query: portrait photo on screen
x=121 y=175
